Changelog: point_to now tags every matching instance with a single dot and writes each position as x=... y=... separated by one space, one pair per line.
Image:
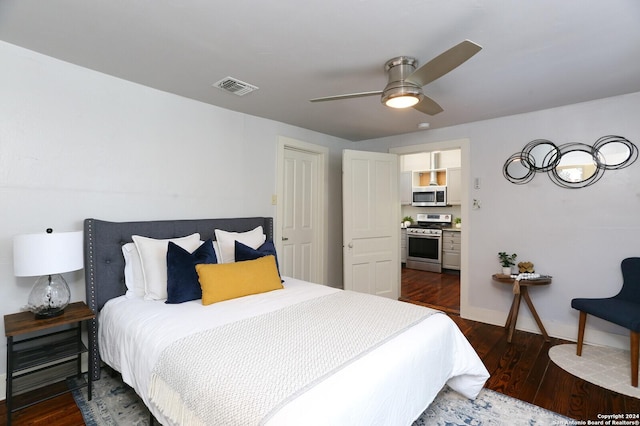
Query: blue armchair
x=622 y=309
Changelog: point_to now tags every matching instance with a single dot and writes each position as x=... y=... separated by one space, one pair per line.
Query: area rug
x=488 y=409
x=115 y=403
x=607 y=367
x=112 y=403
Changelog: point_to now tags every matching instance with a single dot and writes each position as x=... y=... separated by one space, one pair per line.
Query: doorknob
x=285 y=239
x=350 y=245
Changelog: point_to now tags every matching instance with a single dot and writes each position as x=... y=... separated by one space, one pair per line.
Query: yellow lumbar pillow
x=224 y=281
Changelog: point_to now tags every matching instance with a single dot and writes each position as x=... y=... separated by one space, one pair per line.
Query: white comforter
x=390 y=385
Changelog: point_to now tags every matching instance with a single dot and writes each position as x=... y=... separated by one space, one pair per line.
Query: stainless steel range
x=424 y=241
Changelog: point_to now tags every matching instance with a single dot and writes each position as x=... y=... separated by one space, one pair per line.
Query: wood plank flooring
x=521 y=369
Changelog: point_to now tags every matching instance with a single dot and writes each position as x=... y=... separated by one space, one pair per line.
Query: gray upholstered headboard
x=104 y=262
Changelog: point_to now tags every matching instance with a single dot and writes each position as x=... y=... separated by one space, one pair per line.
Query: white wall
x=75 y=144
x=579 y=236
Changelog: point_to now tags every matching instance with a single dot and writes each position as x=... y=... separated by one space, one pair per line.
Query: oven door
x=424 y=248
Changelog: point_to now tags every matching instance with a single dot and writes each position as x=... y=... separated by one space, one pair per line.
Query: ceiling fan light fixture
x=401 y=96
x=402 y=101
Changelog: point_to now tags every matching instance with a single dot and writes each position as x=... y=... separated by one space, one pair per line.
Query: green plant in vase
x=507 y=261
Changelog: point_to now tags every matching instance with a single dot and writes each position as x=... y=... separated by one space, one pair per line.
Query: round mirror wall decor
x=571 y=165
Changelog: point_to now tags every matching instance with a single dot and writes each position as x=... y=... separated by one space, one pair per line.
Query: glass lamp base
x=49 y=296
x=49 y=313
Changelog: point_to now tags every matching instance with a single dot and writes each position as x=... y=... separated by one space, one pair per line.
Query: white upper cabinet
x=450 y=158
x=454 y=186
x=418 y=161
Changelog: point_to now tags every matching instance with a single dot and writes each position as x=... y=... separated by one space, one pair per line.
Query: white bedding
x=390 y=385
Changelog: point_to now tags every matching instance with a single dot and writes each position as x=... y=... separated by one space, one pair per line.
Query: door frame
x=465 y=207
x=321 y=212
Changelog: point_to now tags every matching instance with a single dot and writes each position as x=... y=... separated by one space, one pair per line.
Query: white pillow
x=226 y=242
x=153 y=256
x=216 y=249
x=133 y=275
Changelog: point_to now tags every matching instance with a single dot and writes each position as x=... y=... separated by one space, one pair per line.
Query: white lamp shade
x=47 y=253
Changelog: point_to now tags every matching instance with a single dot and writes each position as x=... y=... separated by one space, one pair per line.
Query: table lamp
x=48 y=255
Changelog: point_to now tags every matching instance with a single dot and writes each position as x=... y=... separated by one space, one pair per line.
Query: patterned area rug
x=488 y=409
x=607 y=367
x=112 y=404
x=115 y=403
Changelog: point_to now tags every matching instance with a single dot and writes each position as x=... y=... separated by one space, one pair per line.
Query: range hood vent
x=435 y=160
x=235 y=86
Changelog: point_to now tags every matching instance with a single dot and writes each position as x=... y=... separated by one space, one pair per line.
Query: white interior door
x=371 y=223
x=299 y=253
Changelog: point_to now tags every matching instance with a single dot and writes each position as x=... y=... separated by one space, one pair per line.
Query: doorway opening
x=447 y=291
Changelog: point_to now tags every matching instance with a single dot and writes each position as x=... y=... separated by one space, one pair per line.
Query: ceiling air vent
x=235 y=86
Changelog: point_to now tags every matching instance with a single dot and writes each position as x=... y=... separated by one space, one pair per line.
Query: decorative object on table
x=48 y=255
x=525 y=267
x=458 y=222
x=407 y=221
x=507 y=261
x=571 y=165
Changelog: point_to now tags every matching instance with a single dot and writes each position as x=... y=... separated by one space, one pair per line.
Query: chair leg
x=581 y=324
x=635 y=349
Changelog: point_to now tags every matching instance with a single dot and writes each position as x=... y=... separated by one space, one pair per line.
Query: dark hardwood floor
x=441 y=291
x=521 y=369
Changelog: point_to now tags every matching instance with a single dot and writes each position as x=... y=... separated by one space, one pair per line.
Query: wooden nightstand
x=54 y=352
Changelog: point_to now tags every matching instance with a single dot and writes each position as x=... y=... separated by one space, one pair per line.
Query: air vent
x=235 y=86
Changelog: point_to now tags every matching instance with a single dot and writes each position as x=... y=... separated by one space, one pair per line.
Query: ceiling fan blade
x=428 y=106
x=443 y=63
x=347 y=96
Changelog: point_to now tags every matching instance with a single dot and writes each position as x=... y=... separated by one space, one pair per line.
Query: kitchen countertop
x=452 y=229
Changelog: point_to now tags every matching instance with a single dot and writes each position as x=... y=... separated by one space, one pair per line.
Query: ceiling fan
x=404 y=88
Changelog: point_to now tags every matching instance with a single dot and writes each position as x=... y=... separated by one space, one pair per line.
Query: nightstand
x=46 y=351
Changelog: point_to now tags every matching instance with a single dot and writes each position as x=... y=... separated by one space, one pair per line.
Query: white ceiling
x=536 y=54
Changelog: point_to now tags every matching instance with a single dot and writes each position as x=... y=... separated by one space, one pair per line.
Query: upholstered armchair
x=622 y=309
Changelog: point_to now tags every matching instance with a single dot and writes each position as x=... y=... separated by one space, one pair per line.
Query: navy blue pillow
x=244 y=252
x=182 y=278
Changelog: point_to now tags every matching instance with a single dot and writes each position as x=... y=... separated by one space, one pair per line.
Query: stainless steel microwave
x=429 y=196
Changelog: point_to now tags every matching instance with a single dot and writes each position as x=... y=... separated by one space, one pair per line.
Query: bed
x=300 y=352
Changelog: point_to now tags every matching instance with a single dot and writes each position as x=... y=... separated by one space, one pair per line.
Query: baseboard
x=554 y=329
x=3 y=386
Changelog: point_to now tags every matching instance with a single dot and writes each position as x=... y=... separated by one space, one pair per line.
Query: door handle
x=350 y=245
x=285 y=239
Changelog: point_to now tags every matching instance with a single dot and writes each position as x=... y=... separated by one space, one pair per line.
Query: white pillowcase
x=153 y=257
x=226 y=242
x=133 y=275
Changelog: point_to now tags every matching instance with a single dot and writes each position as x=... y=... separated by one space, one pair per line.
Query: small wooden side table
x=521 y=290
x=55 y=352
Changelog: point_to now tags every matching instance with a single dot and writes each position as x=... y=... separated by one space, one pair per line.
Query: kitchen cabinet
x=403 y=245
x=451 y=248
x=454 y=186
x=406 y=188
x=423 y=177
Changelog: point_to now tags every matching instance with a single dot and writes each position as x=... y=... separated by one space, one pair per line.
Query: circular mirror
x=517 y=170
x=542 y=154
x=577 y=166
x=615 y=152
